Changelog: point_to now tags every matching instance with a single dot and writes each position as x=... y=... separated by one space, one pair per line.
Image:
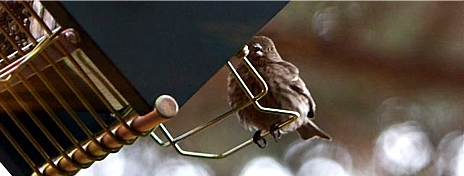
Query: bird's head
x=262 y=48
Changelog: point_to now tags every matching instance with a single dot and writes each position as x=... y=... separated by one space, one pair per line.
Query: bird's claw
x=275 y=132
x=257 y=138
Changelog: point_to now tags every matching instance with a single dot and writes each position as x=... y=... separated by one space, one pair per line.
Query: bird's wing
x=298 y=85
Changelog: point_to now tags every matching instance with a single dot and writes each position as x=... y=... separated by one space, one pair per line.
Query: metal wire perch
x=174 y=141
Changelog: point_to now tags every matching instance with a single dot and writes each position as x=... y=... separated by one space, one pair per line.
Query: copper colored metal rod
x=165 y=108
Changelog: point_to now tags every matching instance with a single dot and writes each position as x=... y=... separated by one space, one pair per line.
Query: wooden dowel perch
x=165 y=108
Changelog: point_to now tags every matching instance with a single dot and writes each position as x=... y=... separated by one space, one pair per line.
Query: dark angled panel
x=170 y=47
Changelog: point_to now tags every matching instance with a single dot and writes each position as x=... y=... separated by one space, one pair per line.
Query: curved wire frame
x=174 y=141
x=83 y=153
x=15 y=67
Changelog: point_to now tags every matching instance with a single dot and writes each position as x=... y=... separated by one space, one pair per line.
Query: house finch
x=286 y=91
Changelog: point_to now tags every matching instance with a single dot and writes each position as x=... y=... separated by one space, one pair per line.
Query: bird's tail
x=310 y=130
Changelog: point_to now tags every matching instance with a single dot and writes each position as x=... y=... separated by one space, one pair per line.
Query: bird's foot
x=258 y=140
x=275 y=132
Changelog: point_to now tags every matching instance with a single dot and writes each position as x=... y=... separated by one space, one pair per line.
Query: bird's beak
x=257 y=50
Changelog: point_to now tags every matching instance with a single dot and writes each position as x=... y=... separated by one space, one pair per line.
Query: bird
x=286 y=90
